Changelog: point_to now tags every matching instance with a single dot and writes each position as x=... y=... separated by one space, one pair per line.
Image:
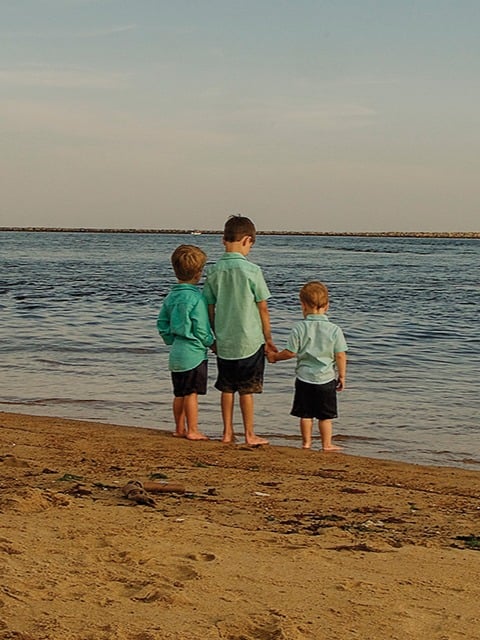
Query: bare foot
x=255 y=441
x=332 y=447
x=179 y=434
x=306 y=446
x=197 y=435
x=229 y=440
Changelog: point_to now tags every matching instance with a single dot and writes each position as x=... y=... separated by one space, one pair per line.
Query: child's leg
x=191 y=415
x=325 y=427
x=227 y=417
x=306 y=427
x=247 y=408
x=179 y=416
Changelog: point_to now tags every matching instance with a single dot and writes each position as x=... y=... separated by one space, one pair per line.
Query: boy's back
x=235 y=286
x=316 y=340
x=183 y=324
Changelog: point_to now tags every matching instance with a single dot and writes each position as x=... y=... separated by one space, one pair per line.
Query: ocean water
x=78 y=335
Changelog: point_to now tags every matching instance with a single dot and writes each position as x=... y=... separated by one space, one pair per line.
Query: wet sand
x=269 y=543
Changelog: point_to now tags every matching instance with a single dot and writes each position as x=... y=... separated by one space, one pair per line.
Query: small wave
x=80 y=348
x=380 y=251
x=355 y=438
x=460 y=456
x=284 y=436
x=104 y=349
x=97 y=402
x=63 y=364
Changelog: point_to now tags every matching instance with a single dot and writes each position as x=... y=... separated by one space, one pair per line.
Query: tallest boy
x=236 y=293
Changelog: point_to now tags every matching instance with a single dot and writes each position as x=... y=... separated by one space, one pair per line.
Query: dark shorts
x=191 y=381
x=244 y=376
x=315 y=400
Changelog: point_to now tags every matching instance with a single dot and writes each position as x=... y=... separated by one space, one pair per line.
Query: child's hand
x=270 y=351
x=271 y=357
x=213 y=347
x=270 y=346
x=340 y=384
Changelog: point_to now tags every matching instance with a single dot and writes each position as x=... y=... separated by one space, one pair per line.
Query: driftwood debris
x=139 y=491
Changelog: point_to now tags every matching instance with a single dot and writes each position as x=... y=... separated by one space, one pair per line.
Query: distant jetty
x=197 y=232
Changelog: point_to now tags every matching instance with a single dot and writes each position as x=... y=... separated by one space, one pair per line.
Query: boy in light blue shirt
x=319 y=346
x=183 y=324
x=237 y=294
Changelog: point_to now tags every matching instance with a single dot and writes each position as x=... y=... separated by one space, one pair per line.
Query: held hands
x=278 y=356
x=270 y=351
x=271 y=357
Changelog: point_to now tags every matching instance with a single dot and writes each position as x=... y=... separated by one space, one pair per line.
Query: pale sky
x=315 y=115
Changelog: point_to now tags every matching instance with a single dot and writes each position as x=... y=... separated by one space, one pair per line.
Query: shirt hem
x=315 y=381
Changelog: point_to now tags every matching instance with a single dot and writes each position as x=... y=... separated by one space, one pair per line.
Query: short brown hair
x=314 y=294
x=188 y=261
x=237 y=227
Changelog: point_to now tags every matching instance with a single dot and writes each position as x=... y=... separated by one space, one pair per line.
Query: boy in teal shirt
x=183 y=323
x=319 y=346
x=236 y=293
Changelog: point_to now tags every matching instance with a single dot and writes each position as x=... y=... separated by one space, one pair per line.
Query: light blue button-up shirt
x=316 y=340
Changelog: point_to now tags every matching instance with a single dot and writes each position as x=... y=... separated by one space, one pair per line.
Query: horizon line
x=395 y=234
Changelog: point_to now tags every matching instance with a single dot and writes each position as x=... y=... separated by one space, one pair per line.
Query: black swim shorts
x=244 y=375
x=191 y=381
x=315 y=400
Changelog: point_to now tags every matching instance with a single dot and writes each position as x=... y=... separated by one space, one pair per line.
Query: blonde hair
x=237 y=227
x=314 y=294
x=188 y=261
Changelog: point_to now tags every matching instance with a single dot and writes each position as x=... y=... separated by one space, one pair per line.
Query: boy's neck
x=194 y=281
x=242 y=246
x=314 y=311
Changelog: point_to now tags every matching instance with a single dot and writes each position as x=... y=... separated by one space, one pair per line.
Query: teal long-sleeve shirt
x=184 y=325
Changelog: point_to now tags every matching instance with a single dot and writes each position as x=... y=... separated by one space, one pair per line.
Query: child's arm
x=163 y=326
x=211 y=315
x=266 y=328
x=341 y=362
x=286 y=354
x=201 y=327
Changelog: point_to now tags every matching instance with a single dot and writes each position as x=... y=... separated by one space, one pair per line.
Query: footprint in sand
x=205 y=557
x=272 y=626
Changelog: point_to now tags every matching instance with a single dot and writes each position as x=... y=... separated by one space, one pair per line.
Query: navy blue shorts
x=191 y=381
x=244 y=375
x=315 y=400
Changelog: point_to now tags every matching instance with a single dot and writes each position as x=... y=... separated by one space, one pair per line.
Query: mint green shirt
x=235 y=286
x=316 y=340
x=183 y=323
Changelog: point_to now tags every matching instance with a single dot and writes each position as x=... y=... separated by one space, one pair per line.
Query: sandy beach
x=230 y=542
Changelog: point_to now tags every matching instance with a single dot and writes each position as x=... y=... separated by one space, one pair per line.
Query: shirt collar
x=319 y=317
x=185 y=285
x=233 y=255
